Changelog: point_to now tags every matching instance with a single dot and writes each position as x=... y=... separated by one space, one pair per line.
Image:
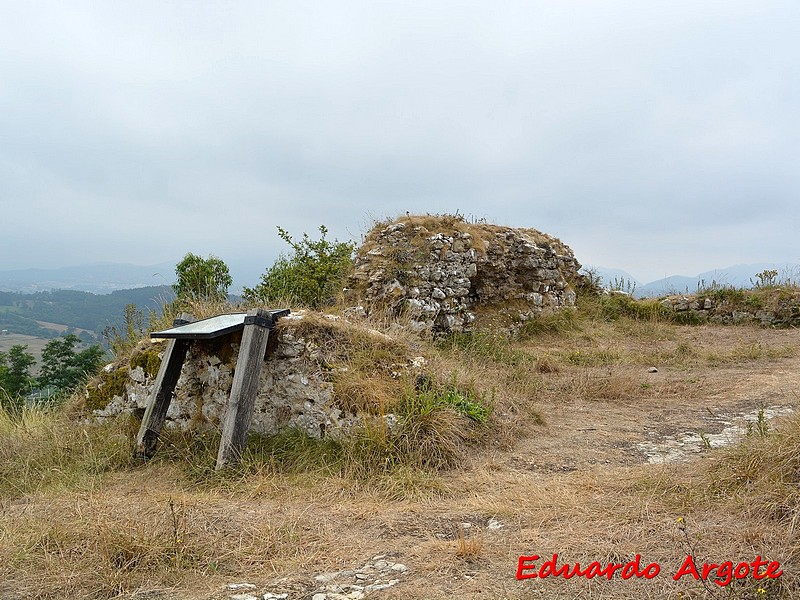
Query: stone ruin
x=443 y=273
x=306 y=356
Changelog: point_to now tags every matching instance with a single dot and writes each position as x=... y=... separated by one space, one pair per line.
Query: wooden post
x=161 y=396
x=239 y=412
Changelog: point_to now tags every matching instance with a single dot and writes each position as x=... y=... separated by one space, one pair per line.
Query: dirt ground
x=615 y=470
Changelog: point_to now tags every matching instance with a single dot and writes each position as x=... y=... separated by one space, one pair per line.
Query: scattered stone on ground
x=676 y=448
x=379 y=573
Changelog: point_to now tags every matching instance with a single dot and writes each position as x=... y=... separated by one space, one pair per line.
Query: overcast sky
x=659 y=137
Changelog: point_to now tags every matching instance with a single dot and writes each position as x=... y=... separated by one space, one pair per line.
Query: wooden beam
x=161 y=396
x=239 y=413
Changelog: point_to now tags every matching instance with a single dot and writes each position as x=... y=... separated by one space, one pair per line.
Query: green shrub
x=311 y=276
x=465 y=401
x=201 y=278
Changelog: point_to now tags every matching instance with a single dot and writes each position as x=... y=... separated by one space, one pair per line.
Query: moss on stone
x=148 y=360
x=101 y=391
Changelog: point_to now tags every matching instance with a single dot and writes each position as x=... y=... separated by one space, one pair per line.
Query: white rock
x=241 y=586
x=494 y=524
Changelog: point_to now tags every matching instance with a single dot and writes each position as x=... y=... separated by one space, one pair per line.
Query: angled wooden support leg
x=244 y=390
x=161 y=396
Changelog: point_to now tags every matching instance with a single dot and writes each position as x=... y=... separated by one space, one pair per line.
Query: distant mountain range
x=99 y=278
x=734 y=276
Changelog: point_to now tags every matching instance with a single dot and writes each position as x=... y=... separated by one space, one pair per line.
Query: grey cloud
x=636 y=131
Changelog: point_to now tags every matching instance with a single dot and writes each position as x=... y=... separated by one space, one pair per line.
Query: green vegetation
x=15 y=378
x=431 y=398
x=122 y=340
x=549 y=323
x=311 y=276
x=616 y=306
x=431 y=430
x=63 y=369
x=202 y=278
x=484 y=344
x=109 y=384
x=147 y=359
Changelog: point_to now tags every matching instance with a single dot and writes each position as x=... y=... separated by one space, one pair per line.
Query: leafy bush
x=63 y=369
x=311 y=276
x=202 y=278
x=15 y=379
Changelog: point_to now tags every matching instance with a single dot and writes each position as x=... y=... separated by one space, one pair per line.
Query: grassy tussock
x=749 y=352
x=100 y=546
x=42 y=449
x=763 y=473
x=366 y=366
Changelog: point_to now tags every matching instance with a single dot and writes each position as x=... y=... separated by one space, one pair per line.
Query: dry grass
x=101 y=545
x=557 y=467
x=469 y=546
x=482 y=233
x=42 y=449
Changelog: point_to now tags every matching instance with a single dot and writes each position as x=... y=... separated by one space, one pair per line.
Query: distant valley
x=49 y=314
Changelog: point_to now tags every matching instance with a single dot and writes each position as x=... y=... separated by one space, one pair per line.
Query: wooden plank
x=244 y=390
x=161 y=396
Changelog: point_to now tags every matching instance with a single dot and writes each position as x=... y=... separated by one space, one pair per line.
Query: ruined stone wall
x=296 y=388
x=442 y=273
x=769 y=308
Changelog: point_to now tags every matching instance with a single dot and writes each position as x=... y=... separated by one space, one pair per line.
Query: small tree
x=15 y=378
x=202 y=278
x=64 y=369
x=312 y=275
